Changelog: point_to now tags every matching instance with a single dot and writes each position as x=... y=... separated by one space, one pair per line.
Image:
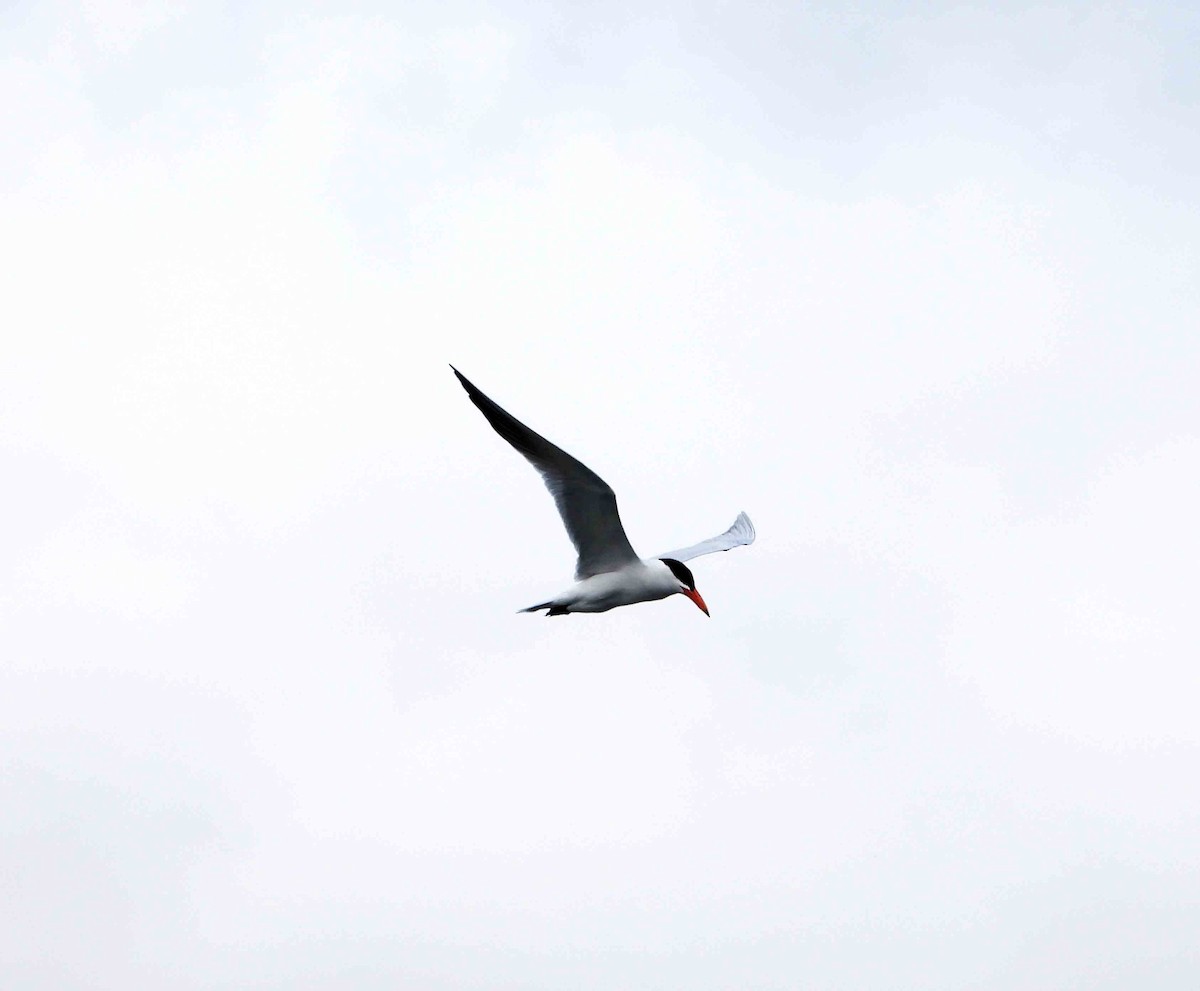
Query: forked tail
x=552 y=609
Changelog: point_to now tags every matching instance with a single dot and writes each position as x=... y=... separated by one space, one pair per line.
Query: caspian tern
x=608 y=573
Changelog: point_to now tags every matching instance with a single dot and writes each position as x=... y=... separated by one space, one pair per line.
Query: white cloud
x=1084 y=629
x=90 y=564
x=117 y=26
x=269 y=715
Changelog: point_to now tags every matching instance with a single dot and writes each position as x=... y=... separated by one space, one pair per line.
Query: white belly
x=638 y=582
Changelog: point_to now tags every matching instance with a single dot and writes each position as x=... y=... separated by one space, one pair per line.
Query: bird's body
x=609 y=572
x=638 y=581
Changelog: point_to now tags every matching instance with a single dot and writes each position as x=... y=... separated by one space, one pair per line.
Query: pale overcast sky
x=915 y=286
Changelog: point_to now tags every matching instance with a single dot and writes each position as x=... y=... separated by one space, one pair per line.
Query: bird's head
x=687 y=583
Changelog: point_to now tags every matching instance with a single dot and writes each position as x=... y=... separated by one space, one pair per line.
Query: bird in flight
x=608 y=572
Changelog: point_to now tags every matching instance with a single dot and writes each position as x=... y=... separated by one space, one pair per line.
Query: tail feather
x=550 y=607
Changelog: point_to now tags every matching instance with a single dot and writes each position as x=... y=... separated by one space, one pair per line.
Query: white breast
x=641 y=581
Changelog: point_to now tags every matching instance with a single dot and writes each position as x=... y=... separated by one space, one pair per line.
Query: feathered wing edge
x=739 y=535
x=585 y=501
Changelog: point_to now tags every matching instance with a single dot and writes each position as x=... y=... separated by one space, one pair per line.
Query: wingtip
x=751 y=532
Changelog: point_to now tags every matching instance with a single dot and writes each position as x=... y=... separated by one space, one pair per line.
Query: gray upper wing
x=585 y=501
x=738 y=535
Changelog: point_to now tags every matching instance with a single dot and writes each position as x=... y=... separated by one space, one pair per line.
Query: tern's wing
x=587 y=505
x=742 y=532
